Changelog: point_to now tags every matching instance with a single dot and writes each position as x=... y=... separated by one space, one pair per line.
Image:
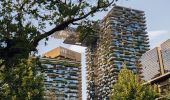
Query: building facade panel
x=165 y=49
x=150 y=64
x=156 y=62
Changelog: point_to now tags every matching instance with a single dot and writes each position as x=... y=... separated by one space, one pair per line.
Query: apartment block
x=156 y=62
x=122 y=39
x=62 y=74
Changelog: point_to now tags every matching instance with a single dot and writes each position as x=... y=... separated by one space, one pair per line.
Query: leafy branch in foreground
x=24 y=23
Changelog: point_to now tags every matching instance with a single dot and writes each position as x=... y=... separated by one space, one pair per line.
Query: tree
x=22 y=82
x=166 y=95
x=89 y=34
x=24 y=23
x=128 y=87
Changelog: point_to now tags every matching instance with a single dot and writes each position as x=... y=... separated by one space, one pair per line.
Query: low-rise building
x=162 y=82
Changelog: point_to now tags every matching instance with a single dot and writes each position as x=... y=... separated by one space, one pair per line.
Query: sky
x=157 y=13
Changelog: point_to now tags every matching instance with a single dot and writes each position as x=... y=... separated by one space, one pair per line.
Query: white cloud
x=157 y=37
x=153 y=34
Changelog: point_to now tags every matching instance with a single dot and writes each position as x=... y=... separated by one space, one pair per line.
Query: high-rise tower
x=62 y=74
x=122 y=39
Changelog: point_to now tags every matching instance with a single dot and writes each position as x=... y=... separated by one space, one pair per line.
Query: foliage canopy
x=22 y=82
x=129 y=88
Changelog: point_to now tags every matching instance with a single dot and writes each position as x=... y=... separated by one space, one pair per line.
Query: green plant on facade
x=51 y=94
x=128 y=87
x=64 y=63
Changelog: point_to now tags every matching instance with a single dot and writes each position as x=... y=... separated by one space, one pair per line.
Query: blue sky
x=157 y=20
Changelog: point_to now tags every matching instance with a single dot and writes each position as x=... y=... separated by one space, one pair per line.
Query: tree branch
x=65 y=24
